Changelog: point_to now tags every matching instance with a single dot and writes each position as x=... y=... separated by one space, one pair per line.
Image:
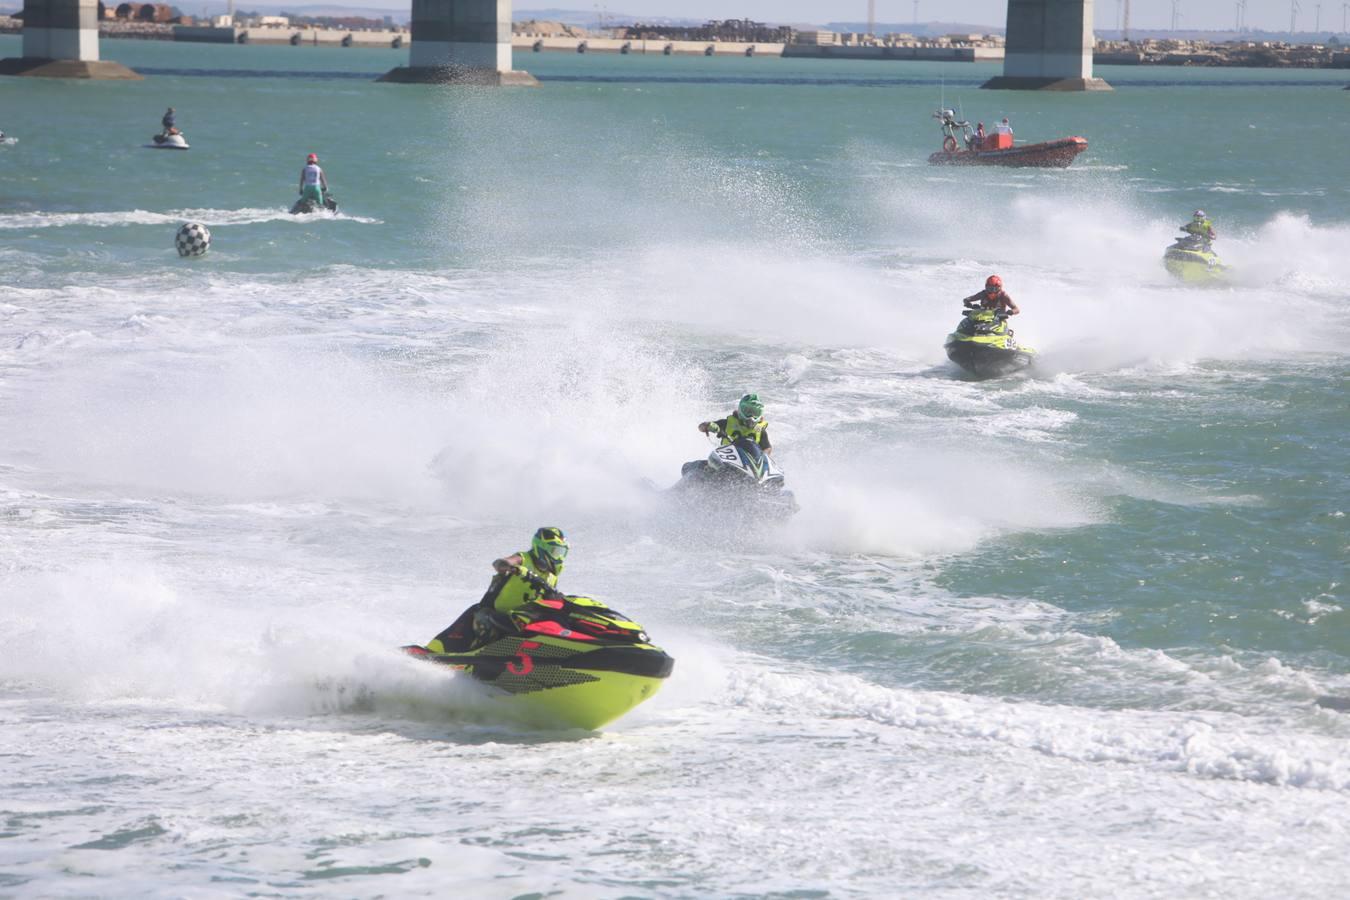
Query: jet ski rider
x=747 y=420
x=1201 y=228
x=168 y=123
x=992 y=297
x=313 y=183
x=521 y=578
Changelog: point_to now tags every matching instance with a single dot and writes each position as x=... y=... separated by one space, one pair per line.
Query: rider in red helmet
x=992 y=297
x=313 y=183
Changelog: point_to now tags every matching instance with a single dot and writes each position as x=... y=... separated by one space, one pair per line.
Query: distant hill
x=590 y=18
x=919 y=29
x=400 y=13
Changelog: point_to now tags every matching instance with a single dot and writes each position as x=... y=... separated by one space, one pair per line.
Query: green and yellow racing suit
x=510 y=592
x=732 y=429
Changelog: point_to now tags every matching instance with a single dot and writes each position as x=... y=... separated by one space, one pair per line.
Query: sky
x=1272 y=15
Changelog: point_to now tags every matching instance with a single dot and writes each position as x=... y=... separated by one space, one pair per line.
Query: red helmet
x=993 y=283
x=313 y=157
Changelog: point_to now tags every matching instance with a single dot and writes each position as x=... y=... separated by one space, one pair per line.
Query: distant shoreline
x=1167 y=53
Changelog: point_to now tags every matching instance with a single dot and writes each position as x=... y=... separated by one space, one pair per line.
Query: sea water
x=1055 y=636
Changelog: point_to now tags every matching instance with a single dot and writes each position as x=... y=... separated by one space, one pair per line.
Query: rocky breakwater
x=1242 y=54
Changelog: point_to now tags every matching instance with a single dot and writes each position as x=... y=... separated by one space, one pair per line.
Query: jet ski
x=1193 y=260
x=562 y=661
x=742 y=468
x=983 y=345
x=163 y=141
x=304 y=206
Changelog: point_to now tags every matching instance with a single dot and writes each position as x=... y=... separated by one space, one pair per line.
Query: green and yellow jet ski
x=559 y=661
x=983 y=345
x=1193 y=260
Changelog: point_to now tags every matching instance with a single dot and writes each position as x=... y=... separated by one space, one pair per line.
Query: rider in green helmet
x=520 y=578
x=746 y=420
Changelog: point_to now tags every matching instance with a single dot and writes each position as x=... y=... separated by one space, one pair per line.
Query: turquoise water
x=1062 y=635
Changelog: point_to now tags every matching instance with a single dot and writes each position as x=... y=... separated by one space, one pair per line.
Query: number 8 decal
x=526 y=665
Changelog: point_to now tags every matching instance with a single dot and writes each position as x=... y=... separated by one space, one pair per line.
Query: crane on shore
x=872 y=17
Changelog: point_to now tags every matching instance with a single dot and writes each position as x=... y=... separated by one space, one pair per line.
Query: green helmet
x=549 y=548
x=750 y=408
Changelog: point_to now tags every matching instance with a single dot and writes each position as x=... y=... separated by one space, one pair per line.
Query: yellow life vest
x=516 y=591
x=735 y=429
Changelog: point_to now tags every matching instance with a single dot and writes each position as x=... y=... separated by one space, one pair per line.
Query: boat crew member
x=746 y=421
x=1003 y=127
x=979 y=135
x=168 y=123
x=992 y=297
x=520 y=578
x=313 y=183
x=1201 y=227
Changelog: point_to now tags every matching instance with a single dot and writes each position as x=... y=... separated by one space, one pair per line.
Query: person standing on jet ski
x=521 y=578
x=313 y=183
x=747 y=420
x=1201 y=228
x=168 y=123
x=992 y=297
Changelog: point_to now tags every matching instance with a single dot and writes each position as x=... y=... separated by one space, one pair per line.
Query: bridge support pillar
x=1049 y=47
x=60 y=40
x=460 y=42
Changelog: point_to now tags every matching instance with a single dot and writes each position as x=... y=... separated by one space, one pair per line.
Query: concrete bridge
x=1049 y=44
x=60 y=40
x=1049 y=47
x=454 y=41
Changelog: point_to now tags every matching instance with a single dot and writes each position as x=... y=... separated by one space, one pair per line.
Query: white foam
x=1203 y=744
x=210 y=217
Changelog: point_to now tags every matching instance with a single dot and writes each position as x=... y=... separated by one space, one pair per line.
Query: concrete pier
x=1049 y=47
x=60 y=40
x=460 y=42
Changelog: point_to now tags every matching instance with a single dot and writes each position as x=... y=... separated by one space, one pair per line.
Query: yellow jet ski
x=559 y=661
x=984 y=346
x=1193 y=260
